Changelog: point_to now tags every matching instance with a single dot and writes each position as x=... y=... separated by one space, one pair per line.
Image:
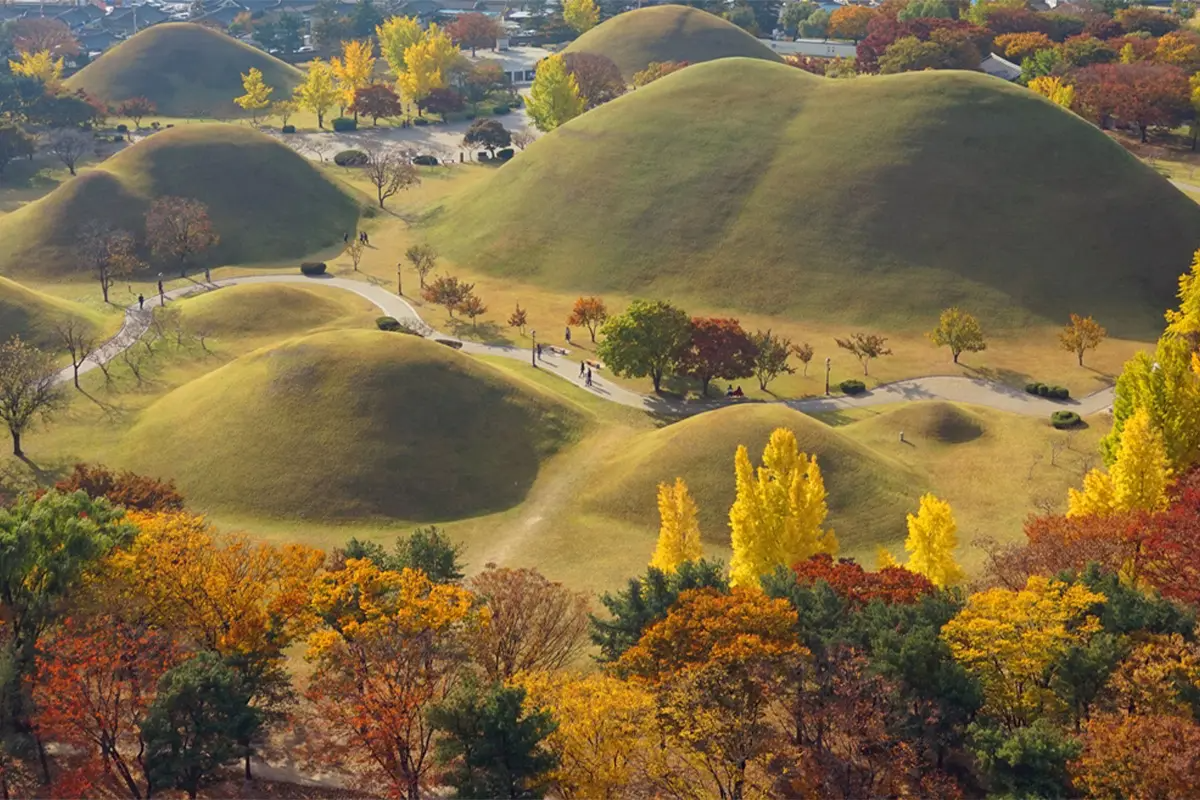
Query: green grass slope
x=266 y=202
x=753 y=185
x=352 y=425
x=33 y=316
x=869 y=494
x=187 y=70
x=668 y=33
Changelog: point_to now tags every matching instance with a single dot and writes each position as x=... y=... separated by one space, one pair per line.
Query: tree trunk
x=704 y=386
x=248 y=775
x=43 y=759
x=16 y=437
x=956 y=354
x=76 y=368
x=656 y=376
x=1080 y=354
x=1142 y=129
x=71 y=167
x=400 y=283
x=104 y=288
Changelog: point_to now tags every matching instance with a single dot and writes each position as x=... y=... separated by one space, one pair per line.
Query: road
x=939 y=387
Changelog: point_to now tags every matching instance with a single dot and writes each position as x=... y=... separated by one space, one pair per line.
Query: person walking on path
x=207 y=275
x=582 y=367
x=568 y=334
x=366 y=239
x=162 y=297
x=588 y=380
x=141 y=302
x=539 y=352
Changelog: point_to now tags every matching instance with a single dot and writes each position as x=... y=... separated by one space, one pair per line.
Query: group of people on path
x=585 y=372
x=362 y=237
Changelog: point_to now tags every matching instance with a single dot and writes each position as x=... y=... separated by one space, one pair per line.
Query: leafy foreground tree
x=959 y=331
x=649 y=339
x=492 y=746
x=1080 y=335
x=194 y=726
x=679 y=531
x=554 y=98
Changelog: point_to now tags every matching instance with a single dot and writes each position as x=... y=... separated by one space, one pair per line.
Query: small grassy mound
x=869 y=494
x=939 y=422
x=352 y=425
x=743 y=184
x=33 y=316
x=259 y=310
x=668 y=33
x=265 y=201
x=187 y=70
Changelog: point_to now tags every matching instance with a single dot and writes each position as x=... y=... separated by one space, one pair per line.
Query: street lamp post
x=533 y=349
x=828 y=363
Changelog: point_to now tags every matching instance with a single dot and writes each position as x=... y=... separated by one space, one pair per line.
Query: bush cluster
x=505 y=154
x=313 y=268
x=122 y=128
x=289 y=128
x=350 y=158
x=420 y=122
x=1064 y=419
x=852 y=387
x=343 y=124
x=1050 y=392
x=425 y=161
x=387 y=323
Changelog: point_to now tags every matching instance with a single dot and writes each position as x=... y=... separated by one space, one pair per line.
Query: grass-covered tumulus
x=744 y=184
x=34 y=316
x=352 y=425
x=187 y=70
x=869 y=494
x=668 y=33
x=265 y=201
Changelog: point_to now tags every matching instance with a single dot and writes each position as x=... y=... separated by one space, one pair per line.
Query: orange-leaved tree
x=96 y=678
x=389 y=647
x=590 y=313
x=721 y=667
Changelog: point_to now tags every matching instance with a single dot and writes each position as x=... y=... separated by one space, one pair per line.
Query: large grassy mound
x=352 y=425
x=668 y=33
x=869 y=494
x=262 y=310
x=266 y=202
x=752 y=185
x=34 y=316
x=187 y=70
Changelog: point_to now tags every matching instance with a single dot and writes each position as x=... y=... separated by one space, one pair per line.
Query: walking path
x=954 y=389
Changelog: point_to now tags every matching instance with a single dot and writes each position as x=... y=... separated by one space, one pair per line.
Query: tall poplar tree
x=1137 y=481
x=932 y=538
x=679 y=532
x=780 y=507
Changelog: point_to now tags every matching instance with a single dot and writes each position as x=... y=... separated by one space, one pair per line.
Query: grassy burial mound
x=352 y=425
x=34 y=316
x=187 y=70
x=668 y=33
x=253 y=311
x=752 y=185
x=265 y=201
x=937 y=422
x=869 y=494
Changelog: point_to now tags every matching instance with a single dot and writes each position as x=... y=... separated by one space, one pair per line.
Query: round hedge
x=313 y=268
x=1064 y=419
x=351 y=158
x=852 y=387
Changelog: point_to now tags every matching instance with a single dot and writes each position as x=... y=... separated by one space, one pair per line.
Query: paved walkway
x=955 y=389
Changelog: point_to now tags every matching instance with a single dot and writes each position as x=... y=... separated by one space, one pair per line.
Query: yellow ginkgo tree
x=40 y=65
x=1139 y=479
x=932 y=539
x=353 y=70
x=257 y=94
x=679 y=532
x=777 y=518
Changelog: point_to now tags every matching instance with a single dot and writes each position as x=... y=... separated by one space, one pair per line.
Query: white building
x=519 y=63
x=820 y=48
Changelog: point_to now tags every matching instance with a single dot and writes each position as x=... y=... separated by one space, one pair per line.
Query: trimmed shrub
x=387 y=323
x=852 y=387
x=505 y=154
x=425 y=161
x=501 y=110
x=420 y=122
x=122 y=128
x=453 y=345
x=1064 y=419
x=1050 y=392
x=118 y=138
x=289 y=129
x=483 y=156
x=343 y=124
x=1034 y=388
x=313 y=268
x=350 y=158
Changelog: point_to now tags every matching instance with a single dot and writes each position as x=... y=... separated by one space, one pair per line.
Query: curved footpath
x=950 y=388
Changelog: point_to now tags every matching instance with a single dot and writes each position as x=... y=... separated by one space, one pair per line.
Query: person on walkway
x=141 y=302
x=588 y=380
x=346 y=238
x=582 y=367
x=568 y=334
x=207 y=275
x=366 y=239
x=162 y=297
x=539 y=352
